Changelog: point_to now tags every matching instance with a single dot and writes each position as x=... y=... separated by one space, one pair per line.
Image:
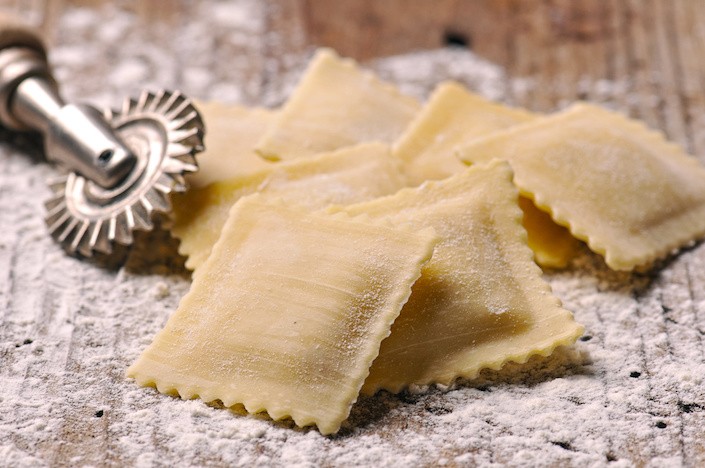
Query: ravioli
x=553 y=245
x=349 y=175
x=454 y=116
x=632 y=196
x=232 y=134
x=287 y=314
x=480 y=301
x=335 y=105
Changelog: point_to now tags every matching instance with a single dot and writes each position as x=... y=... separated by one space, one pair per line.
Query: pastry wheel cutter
x=119 y=166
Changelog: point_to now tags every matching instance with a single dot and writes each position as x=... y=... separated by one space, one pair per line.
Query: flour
x=630 y=392
x=418 y=74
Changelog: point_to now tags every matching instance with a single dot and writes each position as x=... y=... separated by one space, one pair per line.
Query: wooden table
x=566 y=49
x=642 y=57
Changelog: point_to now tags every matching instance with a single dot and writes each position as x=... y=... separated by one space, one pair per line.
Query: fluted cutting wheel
x=165 y=132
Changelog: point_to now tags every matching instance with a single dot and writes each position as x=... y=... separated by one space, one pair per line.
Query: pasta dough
x=480 y=301
x=553 y=245
x=346 y=176
x=336 y=105
x=451 y=117
x=287 y=314
x=622 y=188
x=230 y=139
x=454 y=116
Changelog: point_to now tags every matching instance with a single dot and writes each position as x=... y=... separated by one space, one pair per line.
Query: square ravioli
x=553 y=244
x=632 y=196
x=336 y=104
x=231 y=136
x=288 y=313
x=451 y=117
x=349 y=175
x=481 y=300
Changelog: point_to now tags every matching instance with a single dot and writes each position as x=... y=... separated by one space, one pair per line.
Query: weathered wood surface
x=642 y=57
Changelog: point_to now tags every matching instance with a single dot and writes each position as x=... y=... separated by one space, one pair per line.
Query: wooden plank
x=686 y=26
x=618 y=58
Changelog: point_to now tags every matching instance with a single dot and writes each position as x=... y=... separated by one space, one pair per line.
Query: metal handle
x=76 y=136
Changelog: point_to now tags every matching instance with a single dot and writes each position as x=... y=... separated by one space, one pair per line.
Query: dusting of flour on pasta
x=630 y=392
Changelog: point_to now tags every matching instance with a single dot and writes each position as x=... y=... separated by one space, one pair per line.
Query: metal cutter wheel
x=120 y=165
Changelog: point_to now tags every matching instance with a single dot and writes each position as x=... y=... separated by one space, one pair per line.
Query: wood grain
x=568 y=50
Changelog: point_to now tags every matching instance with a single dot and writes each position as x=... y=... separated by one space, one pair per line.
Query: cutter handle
x=22 y=56
x=14 y=33
x=75 y=135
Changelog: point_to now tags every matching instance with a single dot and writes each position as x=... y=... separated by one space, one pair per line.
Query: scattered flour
x=417 y=74
x=630 y=393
